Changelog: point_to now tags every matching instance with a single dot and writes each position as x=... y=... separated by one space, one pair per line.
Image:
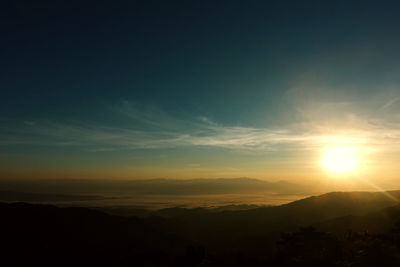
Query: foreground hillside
x=269 y=236
x=55 y=236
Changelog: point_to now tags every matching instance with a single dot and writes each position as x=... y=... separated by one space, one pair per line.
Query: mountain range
x=191 y=237
x=152 y=186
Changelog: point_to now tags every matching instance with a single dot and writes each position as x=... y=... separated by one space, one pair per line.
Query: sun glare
x=340 y=160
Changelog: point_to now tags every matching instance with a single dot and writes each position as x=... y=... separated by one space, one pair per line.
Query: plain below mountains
x=153 y=186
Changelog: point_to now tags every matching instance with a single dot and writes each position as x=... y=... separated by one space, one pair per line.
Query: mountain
x=45 y=235
x=11 y=196
x=374 y=222
x=153 y=186
x=304 y=211
x=327 y=206
x=50 y=235
x=213 y=227
x=209 y=186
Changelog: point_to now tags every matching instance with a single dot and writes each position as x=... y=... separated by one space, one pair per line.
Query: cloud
x=151 y=128
x=390 y=103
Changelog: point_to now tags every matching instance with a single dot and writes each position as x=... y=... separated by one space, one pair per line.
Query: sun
x=340 y=159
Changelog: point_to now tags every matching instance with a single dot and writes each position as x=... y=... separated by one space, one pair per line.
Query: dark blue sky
x=69 y=60
x=174 y=69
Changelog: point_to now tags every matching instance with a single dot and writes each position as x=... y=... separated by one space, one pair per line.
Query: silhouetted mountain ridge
x=185 y=237
x=12 y=196
x=376 y=222
x=304 y=211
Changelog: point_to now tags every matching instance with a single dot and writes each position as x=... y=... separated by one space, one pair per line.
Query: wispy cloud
x=390 y=103
x=151 y=128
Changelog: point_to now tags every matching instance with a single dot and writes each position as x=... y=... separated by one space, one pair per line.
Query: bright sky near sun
x=340 y=160
x=264 y=89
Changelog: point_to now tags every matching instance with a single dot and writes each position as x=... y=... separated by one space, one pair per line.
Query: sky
x=198 y=89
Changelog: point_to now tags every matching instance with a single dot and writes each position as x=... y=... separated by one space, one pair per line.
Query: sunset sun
x=340 y=160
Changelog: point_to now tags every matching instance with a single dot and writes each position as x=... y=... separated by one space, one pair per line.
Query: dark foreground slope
x=376 y=222
x=51 y=236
